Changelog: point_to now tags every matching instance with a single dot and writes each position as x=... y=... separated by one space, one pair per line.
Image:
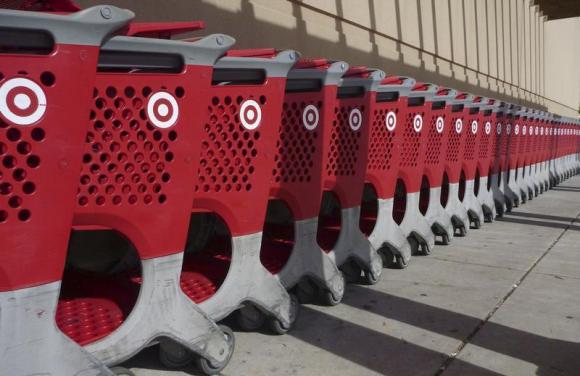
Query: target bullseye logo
x=22 y=101
x=418 y=123
x=542 y=131
x=525 y=130
x=517 y=129
x=537 y=130
x=498 y=128
x=474 y=127
x=355 y=119
x=508 y=128
x=458 y=125
x=310 y=117
x=162 y=110
x=250 y=114
x=391 y=121
x=487 y=127
x=439 y=124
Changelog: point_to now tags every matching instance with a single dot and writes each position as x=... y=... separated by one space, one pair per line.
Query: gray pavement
x=505 y=300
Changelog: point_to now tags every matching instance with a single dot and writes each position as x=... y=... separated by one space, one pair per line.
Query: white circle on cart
x=310 y=117
x=162 y=109
x=418 y=123
x=517 y=129
x=474 y=127
x=487 y=127
x=391 y=121
x=22 y=101
x=498 y=128
x=525 y=130
x=458 y=125
x=508 y=128
x=439 y=124
x=250 y=114
x=355 y=119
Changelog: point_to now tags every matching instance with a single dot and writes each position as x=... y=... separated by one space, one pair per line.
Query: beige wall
x=498 y=48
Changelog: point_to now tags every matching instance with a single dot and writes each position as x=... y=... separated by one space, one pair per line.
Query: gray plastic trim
x=467 y=101
x=427 y=94
x=205 y=51
x=88 y=27
x=447 y=97
x=329 y=76
x=403 y=89
x=279 y=66
x=370 y=84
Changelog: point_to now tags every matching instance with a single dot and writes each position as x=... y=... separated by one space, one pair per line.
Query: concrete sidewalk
x=505 y=300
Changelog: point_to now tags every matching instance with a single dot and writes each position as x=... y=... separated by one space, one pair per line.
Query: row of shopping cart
x=150 y=188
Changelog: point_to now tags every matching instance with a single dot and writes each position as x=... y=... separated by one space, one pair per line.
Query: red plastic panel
x=40 y=159
x=384 y=146
x=296 y=177
x=486 y=142
x=455 y=142
x=137 y=161
x=240 y=128
x=471 y=143
x=413 y=146
x=347 y=144
x=91 y=306
x=436 y=148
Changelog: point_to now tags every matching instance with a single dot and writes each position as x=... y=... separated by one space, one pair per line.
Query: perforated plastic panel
x=454 y=140
x=297 y=146
x=381 y=142
x=434 y=143
x=228 y=150
x=469 y=149
x=41 y=131
x=20 y=163
x=126 y=158
x=411 y=142
x=344 y=144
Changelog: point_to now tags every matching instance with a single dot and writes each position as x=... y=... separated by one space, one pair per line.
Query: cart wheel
x=329 y=299
x=400 y=262
x=277 y=326
x=445 y=239
x=371 y=277
x=249 y=318
x=305 y=291
x=425 y=250
x=351 y=272
x=462 y=231
x=414 y=245
x=476 y=224
x=488 y=217
x=206 y=366
x=173 y=355
x=122 y=371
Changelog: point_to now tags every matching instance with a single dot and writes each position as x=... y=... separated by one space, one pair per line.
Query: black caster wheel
x=488 y=217
x=445 y=239
x=371 y=278
x=476 y=224
x=425 y=250
x=414 y=245
x=249 y=318
x=122 y=371
x=331 y=299
x=400 y=262
x=460 y=231
x=173 y=355
x=277 y=327
x=208 y=368
x=305 y=291
x=351 y=272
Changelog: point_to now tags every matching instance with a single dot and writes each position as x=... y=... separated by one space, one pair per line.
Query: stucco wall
x=498 y=48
